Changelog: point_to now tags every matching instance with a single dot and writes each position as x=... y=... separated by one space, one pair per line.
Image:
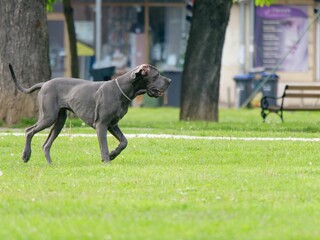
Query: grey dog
x=99 y=104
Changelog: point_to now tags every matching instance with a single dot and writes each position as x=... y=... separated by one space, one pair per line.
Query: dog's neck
x=122 y=92
x=132 y=87
x=139 y=86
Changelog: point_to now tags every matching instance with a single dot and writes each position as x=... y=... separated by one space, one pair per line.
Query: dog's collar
x=125 y=95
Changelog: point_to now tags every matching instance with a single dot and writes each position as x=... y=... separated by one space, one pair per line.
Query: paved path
x=169 y=136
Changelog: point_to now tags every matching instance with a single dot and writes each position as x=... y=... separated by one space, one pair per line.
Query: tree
x=24 y=42
x=201 y=72
x=68 y=14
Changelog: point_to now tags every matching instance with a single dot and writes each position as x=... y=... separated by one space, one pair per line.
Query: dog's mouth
x=153 y=92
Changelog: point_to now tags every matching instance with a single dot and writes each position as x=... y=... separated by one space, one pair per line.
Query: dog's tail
x=22 y=89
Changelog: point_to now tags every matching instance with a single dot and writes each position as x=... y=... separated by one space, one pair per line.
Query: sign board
x=277 y=30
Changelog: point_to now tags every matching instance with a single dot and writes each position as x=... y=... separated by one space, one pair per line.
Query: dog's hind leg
x=30 y=132
x=116 y=132
x=44 y=121
x=27 y=148
x=54 y=132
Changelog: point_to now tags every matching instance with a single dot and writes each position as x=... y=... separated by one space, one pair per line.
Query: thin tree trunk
x=201 y=74
x=24 y=43
x=68 y=13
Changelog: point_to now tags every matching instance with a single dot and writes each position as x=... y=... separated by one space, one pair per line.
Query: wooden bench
x=269 y=104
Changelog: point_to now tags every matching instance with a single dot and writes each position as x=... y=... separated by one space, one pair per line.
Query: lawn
x=167 y=188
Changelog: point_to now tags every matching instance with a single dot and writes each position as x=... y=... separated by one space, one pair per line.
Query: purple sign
x=277 y=30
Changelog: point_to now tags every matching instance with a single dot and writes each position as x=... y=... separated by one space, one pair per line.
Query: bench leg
x=263 y=115
x=281 y=115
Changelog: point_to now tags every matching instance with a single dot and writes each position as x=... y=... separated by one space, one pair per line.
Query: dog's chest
x=117 y=115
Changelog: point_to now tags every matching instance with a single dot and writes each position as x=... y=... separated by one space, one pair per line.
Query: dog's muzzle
x=153 y=92
x=158 y=87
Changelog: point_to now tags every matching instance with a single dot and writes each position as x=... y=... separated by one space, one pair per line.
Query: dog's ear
x=142 y=70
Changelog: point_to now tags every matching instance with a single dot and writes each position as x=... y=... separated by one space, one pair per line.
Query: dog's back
x=77 y=95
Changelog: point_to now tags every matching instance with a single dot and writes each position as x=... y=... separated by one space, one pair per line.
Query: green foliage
x=49 y=5
x=24 y=122
x=262 y=3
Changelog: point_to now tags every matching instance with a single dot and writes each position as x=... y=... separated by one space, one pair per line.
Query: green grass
x=232 y=122
x=167 y=188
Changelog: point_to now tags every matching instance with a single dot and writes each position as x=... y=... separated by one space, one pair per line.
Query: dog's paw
x=26 y=156
x=113 y=155
x=106 y=161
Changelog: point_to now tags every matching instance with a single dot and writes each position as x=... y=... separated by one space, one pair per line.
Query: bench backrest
x=301 y=91
x=302 y=87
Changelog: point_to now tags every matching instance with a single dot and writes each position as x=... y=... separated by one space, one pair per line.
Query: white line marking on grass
x=169 y=136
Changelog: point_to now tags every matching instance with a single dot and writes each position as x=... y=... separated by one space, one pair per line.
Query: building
x=156 y=31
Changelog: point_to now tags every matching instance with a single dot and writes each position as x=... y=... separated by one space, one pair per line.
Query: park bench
x=269 y=104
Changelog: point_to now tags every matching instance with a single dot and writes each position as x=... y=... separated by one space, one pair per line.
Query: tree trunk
x=68 y=14
x=201 y=73
x=24 y=43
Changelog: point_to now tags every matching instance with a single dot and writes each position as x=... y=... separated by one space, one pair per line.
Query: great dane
x=99 y=104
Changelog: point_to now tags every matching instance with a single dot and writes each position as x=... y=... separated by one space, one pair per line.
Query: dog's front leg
x=116 y=132
x=102 y=137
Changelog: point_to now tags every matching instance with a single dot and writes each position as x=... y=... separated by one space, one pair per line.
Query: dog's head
x=153 y=81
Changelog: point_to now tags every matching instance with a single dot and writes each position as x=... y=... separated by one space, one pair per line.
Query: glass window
x=123 y=36
x=130 y=1
x=166 y=1
x=131 y=35
x=167 y=37
x=56 y=48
